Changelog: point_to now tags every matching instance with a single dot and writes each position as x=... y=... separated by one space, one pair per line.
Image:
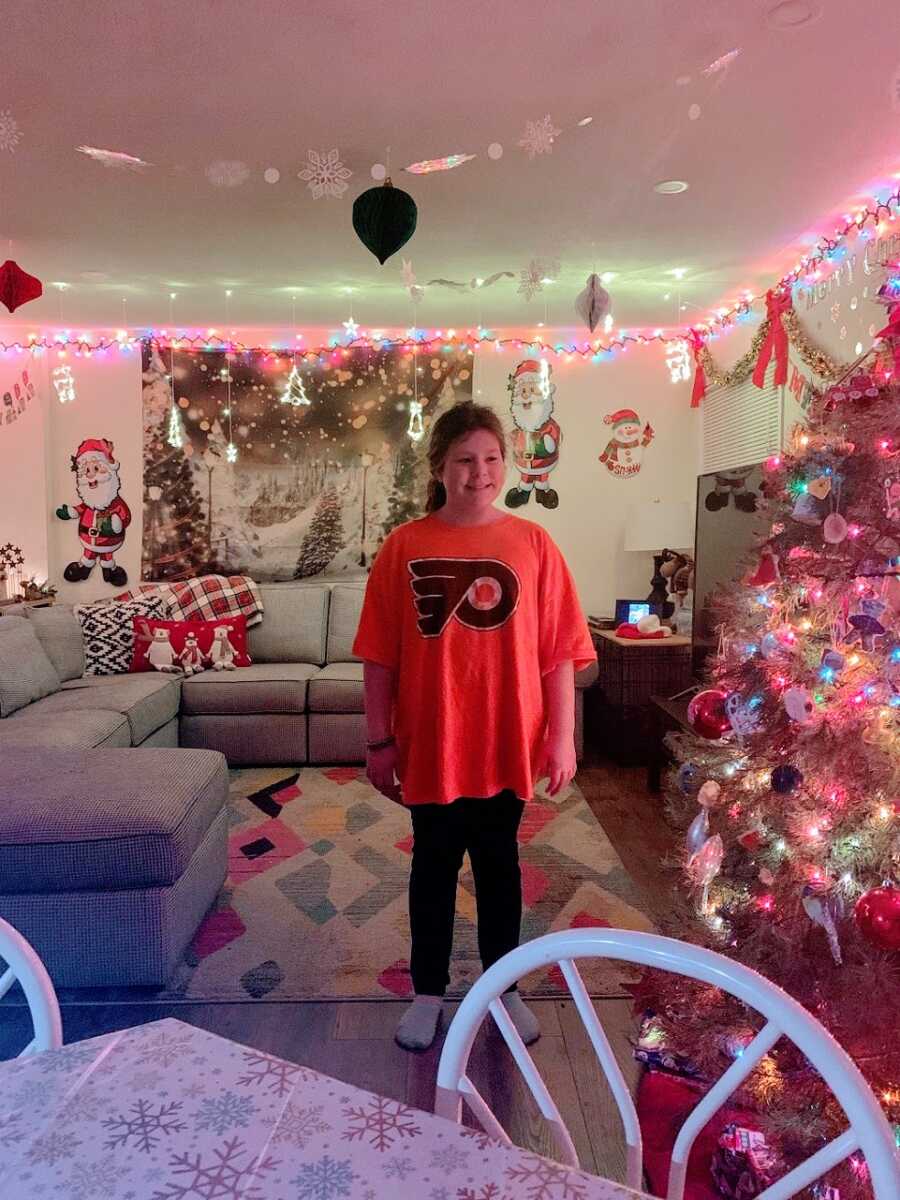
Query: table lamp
x=660 y=528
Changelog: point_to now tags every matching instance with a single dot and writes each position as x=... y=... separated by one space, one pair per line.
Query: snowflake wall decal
x=538 y=137
x=10 y=133
x=325 y=174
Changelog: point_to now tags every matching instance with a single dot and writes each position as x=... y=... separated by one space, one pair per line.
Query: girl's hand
x=381 y=771
x=558 y=762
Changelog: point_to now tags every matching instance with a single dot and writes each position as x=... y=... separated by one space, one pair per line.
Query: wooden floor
x=354 y=1041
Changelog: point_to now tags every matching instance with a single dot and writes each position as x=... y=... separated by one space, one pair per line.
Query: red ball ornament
x=878 y=916
x=706 y=714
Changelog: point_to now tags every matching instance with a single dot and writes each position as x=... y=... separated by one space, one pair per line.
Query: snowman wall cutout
x=624 y=451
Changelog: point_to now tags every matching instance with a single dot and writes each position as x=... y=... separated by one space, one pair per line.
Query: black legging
x=442 y=833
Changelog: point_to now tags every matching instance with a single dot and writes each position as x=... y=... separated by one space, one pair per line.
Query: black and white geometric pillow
x=108 y=632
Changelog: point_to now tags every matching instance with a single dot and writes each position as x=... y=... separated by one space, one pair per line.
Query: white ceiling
x=785 y=133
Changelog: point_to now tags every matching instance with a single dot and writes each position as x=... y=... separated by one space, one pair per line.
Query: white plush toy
x=160 y=653
x=652 y=624
x=191 y=657
x=222 y=654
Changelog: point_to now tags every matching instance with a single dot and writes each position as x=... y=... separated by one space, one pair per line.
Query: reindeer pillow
x=185 y=647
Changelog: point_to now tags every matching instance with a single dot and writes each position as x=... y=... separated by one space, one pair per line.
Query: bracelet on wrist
x=382 y=744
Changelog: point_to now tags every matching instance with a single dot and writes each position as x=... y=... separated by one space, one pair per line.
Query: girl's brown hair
x=457 y=422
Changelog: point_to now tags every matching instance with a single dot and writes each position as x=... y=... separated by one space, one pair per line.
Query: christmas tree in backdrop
x=174 y=542
x=323 y=539
x=790 y=792
x=404 y=502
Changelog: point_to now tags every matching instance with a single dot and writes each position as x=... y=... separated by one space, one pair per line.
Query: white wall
x=594 y=506
x=23 y=458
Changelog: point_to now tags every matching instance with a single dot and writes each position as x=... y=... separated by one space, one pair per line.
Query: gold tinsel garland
x=822 y=364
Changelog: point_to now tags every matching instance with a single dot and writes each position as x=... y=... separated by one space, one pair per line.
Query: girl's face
x=473 y=472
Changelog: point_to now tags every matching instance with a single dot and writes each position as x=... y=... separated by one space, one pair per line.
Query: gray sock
x=522 y=1017
x=419 y=1023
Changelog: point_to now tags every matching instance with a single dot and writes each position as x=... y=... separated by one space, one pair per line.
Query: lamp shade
x=657 y=525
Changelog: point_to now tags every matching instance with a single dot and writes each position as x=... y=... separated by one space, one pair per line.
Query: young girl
x=470 y=634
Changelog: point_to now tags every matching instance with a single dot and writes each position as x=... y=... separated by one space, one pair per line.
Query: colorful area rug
x=315 y=904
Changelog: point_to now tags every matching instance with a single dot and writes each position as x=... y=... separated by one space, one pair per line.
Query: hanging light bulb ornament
x=688 y=778
x=384 y=219
x=294 y=392
x=592 y=304
x=824 y=907
x=704 y=866
x=698 y=832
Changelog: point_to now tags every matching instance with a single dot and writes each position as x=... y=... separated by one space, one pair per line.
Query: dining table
x=167 y=1111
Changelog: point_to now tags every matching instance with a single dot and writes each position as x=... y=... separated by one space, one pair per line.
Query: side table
x=665 y=716
x=630 y=671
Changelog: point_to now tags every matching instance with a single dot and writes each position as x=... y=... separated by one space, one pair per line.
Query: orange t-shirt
x=470 y=618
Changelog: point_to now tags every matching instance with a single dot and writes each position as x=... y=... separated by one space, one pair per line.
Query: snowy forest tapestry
x=317 y=482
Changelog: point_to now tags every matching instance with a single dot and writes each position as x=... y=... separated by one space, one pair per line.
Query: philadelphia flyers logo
x=481 y=593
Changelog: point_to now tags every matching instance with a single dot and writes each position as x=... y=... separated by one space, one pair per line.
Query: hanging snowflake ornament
x=10 y=133
x=231 y=453
x=227 y=173
x=535 y=275
x=64 y=382
x=325 y=174
x=538 y=137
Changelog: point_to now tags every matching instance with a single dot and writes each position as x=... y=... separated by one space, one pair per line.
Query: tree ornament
x=688 y=778
x=767 y=571
x=17 y=287
x=384 y=219
x=751 y=839
x=877 y=914
x=710 y=794
x=865 y=624
x=704 y=866
x=799 y=705
x=834 y=529
x=742 y=715
x=770 y=647
x=698 y=832
x=786 y=779
x=824 y=908
x=592 y=304
x=819 y=487
x=706 y=714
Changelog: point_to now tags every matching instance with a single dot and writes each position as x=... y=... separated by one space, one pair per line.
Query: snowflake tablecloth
x=169 y=1112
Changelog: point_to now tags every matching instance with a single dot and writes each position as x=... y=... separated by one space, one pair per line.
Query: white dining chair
x=24 y=965
x=868 y=1129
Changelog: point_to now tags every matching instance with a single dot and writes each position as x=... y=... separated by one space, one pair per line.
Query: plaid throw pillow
x=107 y=627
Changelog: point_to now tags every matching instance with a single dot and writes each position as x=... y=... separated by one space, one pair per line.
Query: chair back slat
x=24 y=965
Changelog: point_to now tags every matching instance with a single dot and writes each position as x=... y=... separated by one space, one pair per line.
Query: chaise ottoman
x=110 y=858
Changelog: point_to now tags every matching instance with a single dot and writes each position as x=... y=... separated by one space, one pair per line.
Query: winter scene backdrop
x=324 y=467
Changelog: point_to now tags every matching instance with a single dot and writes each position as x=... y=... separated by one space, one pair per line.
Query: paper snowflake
x=538 y=137
x=10 y=133
x=227 y=173
x=325 y=174
x=533 y=277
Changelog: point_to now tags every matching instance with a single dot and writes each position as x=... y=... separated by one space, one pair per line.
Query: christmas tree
x=793 y=851
x=404 y=502
x=174 y=536
x=323 y=539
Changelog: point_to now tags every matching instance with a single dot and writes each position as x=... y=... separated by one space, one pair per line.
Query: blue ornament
x=688 y=779
x=770 y=646
x=786 y=778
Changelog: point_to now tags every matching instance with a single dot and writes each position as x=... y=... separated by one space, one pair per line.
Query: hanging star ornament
x=351 y=329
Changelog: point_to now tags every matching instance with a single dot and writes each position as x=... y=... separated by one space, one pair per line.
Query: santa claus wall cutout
x=536 y=437
x=625 y=450
x=103 y=516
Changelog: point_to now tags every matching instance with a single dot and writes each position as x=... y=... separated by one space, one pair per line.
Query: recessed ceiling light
x=791 y=14
x=670 y=187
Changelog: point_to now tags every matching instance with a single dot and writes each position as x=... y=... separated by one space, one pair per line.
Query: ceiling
x=771 y=141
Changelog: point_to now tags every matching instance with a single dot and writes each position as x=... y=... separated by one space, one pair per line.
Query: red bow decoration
x=776 y=340
x=17 y=286
x=891 y=332
x=699 y=389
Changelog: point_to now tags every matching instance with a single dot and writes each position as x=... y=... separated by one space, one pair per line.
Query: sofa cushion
x=59 y=632
x=337 y=688
x=122 y=818
x=294 y=625
x=343 y=619
x=148 y=701
x=106 y=627
x=80 y=729
x=263 y=688
x=26 y=673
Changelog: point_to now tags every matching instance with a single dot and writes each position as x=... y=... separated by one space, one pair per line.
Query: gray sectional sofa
x=113 y=789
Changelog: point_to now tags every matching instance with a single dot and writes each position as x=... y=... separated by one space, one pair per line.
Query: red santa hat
x=625 y=416
x=529 y=366
x=94 y=450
